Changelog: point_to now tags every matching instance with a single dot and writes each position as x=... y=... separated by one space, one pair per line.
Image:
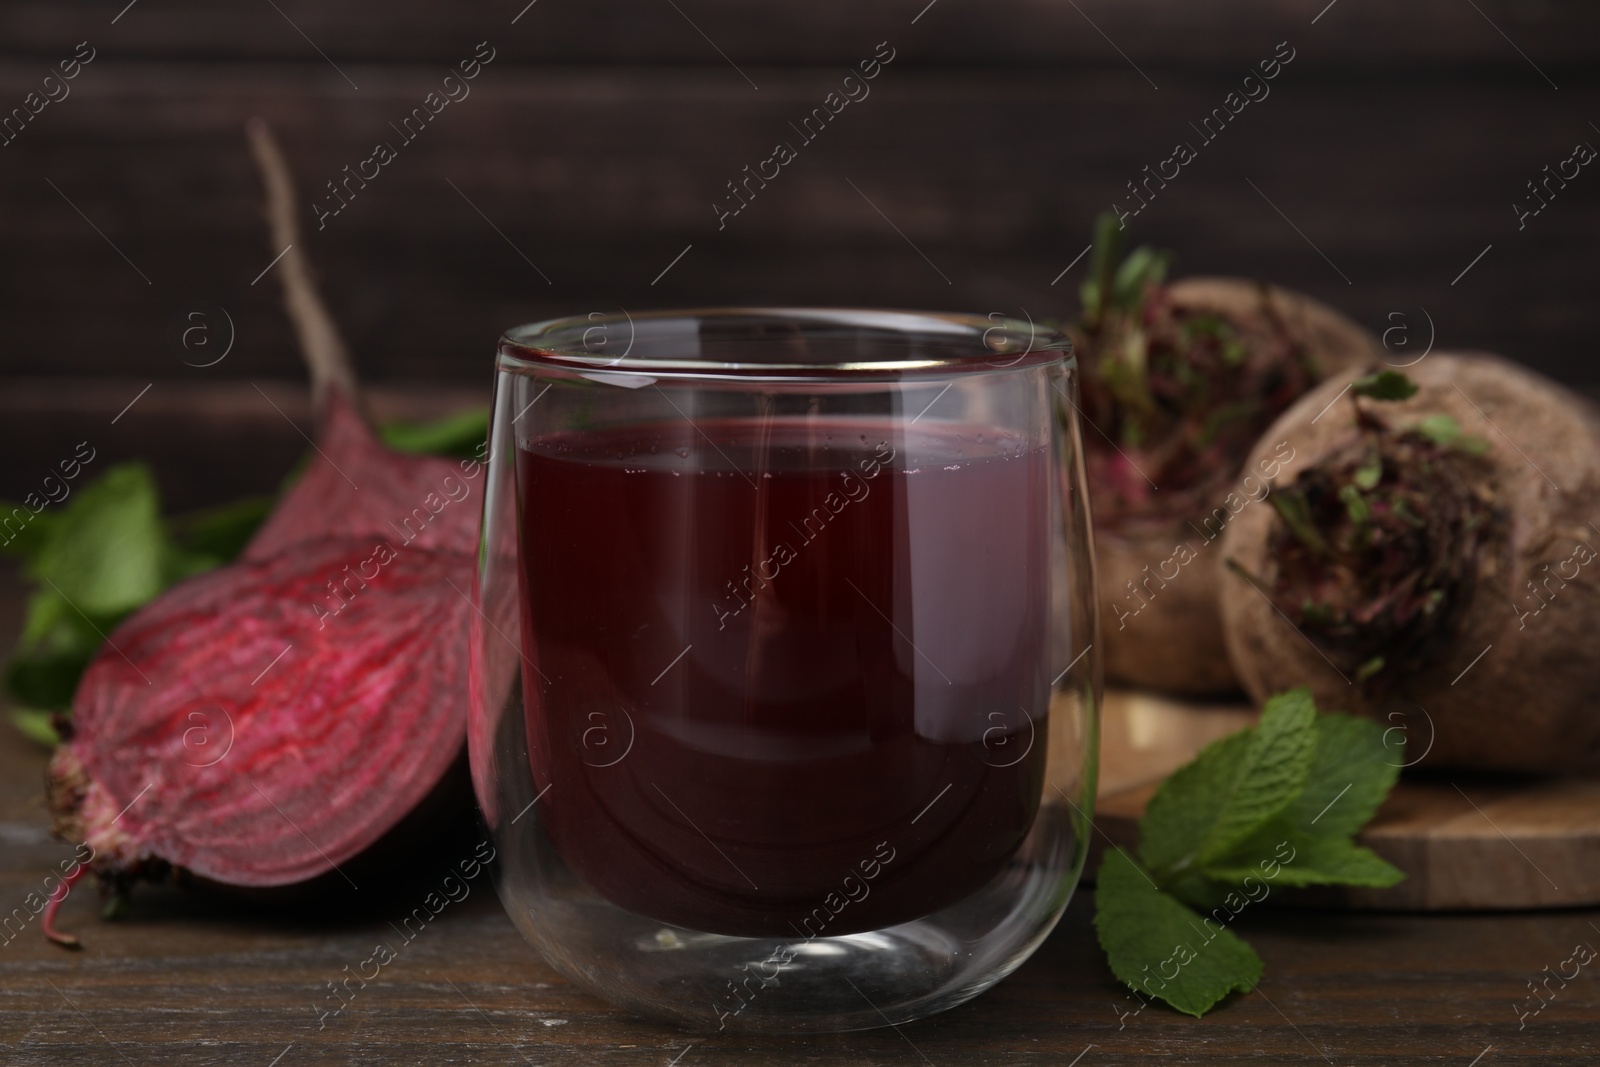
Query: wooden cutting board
x=1465 y=841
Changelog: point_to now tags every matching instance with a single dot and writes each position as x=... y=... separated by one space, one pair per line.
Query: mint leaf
x=22 y=530
x=35 y=725
x=1231 y=789
x=1352 y=770
x=95 y=558
x=1275 y=770
x=1183 y=810
x=1163 y=949
x=106 y=548
x=1273 y=805
x=1384 y=385
x=46 y=675
x=1283 y=855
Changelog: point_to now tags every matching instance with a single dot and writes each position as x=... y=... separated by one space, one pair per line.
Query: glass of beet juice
x=784 y=675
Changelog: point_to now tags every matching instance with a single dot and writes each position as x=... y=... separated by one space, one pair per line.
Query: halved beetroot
x=264 y=724
x=252 y=741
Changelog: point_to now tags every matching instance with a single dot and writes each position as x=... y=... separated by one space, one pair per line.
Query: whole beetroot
x=1436 y=554
x=1179 y=381
x=264 y=724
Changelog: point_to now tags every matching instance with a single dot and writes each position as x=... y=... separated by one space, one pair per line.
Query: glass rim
x=971 y=343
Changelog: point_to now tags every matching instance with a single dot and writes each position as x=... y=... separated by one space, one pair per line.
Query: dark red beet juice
x=786 y=677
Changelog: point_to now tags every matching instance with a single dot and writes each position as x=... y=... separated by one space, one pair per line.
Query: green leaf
x=35 y=725
x=1181 y=814
x=1281 y=854
x=1369 y=474
x=1163 y=949
x=57 y=644
x=1324 y=860
x=461 y=435
x=1144 y=267
x=1353 y=767
x=205 y=540
x=1352 y=770
x=1384 y=385
x=1444 y=431
x=46 y=614
x=220 y=532
x=22 y=531
x=106 y=550
x=1295 y=511
x=1271 y=806
x=1275 y=770
x=1355 y=505
x=1441 y=429
x=1231 y=789
x=48 y=677
x=1095 y=292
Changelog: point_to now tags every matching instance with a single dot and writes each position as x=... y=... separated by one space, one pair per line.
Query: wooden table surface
x=192 y=979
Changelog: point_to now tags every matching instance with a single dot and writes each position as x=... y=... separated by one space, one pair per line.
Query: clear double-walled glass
x=784 y=671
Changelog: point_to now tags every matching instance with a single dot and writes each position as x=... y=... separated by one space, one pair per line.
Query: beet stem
x=320 y=342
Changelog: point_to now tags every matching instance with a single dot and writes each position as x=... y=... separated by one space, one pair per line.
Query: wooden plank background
x=599 y=138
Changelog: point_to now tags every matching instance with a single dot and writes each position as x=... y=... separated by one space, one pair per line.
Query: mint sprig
x=1272 y=806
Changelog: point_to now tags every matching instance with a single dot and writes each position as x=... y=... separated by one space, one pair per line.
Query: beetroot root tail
x=47 y=921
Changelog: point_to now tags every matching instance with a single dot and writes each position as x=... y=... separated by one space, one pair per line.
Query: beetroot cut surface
x=252 y=741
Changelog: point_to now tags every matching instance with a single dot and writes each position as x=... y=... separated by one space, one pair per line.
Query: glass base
x=710 y=983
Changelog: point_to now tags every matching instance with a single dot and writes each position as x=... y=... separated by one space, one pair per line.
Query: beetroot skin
x=265 y=723
x=423 y=501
